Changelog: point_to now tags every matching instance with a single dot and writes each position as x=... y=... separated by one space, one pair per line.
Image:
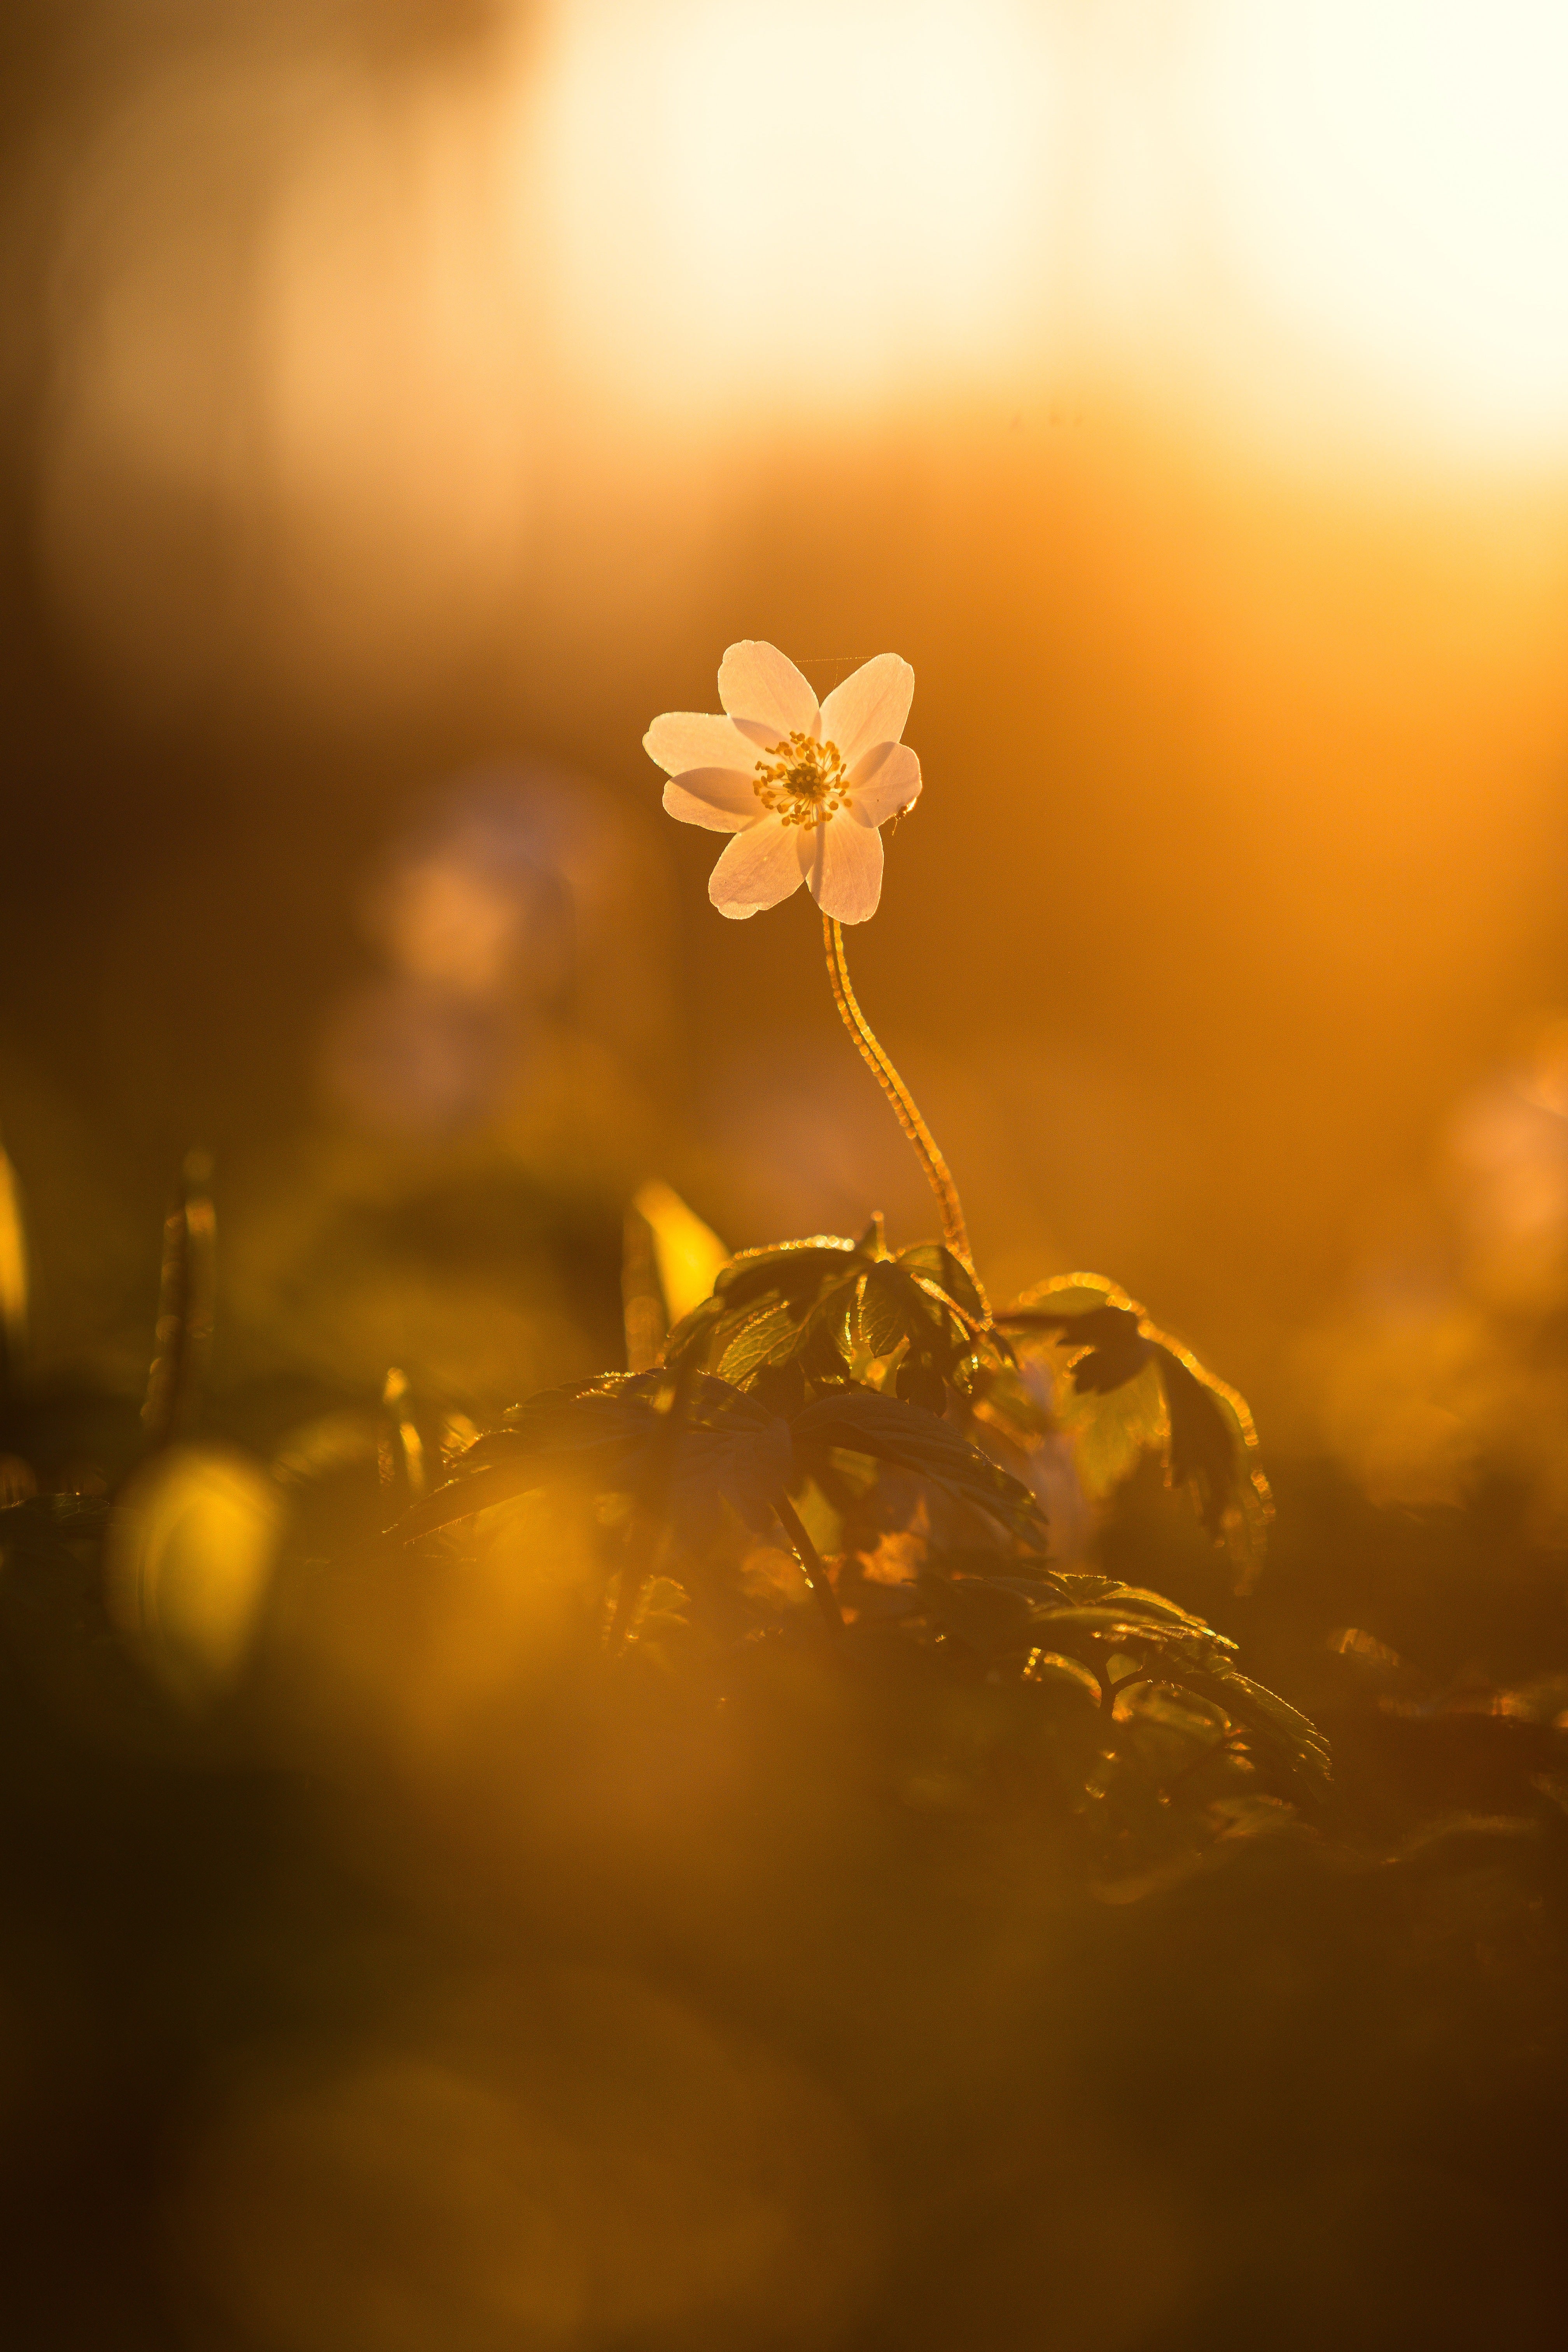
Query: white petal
x=682 y=740
x=887 y=781
x=762 y=690
x=761 y=866
x=716 y=797
x=871 y=708
x=847 y=869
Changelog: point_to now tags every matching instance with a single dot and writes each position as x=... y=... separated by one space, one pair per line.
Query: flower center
x=803 y=782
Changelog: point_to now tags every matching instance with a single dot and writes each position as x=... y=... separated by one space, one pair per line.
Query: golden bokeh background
x=406 y=1948
x=407 y=402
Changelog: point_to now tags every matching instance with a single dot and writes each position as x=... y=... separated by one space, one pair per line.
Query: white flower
x=802 y=786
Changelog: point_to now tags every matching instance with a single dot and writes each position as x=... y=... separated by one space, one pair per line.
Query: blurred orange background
x=405 y=402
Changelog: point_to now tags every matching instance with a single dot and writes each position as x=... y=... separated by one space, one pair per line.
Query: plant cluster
x=722 y=1857
x=867 y=1413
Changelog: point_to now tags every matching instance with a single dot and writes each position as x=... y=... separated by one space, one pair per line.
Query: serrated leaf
x=691 y=1334
x=1113 y=1431
x=1137 y=1597
x=861 y=1421
x=832 y=1311
x=1213 y=1452
x=1109 y=1623
x=1292 y=1737
x=768 y=1333
x=986 y=1613
x=938 y=1265
x=788 y=1268
x=894 y=1307
x=608 y=1438
x=821 y=1355
x=1132 y=1387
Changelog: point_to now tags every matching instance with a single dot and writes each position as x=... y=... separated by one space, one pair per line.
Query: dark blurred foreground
x=450 y=1985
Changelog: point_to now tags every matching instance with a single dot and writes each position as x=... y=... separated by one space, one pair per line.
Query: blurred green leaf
x=599 y=1436
x=1127 y=1637
x=720 y=1445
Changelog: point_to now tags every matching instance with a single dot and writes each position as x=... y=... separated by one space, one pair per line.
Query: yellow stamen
x=803 y=782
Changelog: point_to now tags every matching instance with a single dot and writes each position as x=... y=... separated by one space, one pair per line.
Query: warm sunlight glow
x=687 y=1253
x=797 y=200
x=13 y=1266
x=188 y=1562
x=1392 y=179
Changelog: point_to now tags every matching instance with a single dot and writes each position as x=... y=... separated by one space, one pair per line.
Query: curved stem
x=955 y=1232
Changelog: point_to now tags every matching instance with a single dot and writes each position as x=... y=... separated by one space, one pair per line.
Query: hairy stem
x=955 y=1232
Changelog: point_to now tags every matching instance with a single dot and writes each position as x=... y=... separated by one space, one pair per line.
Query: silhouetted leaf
x=1105 y=1591
x=781 y=1387
x=917 y=1384
x=1131 y=1388
x=938 y=1265
x=1112 y=1343
x=691 y=1335
x=769 y=1306
x=896 y=1309
x=722 y=1446
x=891 y=1308
x=788 y=1269
x=1280 y=1730
x=988 y=1614
x=861 y=1421
x=1213 y=1453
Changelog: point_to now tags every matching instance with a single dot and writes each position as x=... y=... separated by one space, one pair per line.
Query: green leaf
x=768 y=1307
x=691 y=1336
x=788 y=1269
x=822 y=1352
x=1284 y=1735
x=987 y=1613
x=860 y=1421
x=1106 y=1592
x=1133 y=1389
x=950 y=1273
x=768 y=1333
x=894 y=1307
x=1213 y=1453
x=1112 y=1431
x=1107 y=1624
x=680 y=1454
